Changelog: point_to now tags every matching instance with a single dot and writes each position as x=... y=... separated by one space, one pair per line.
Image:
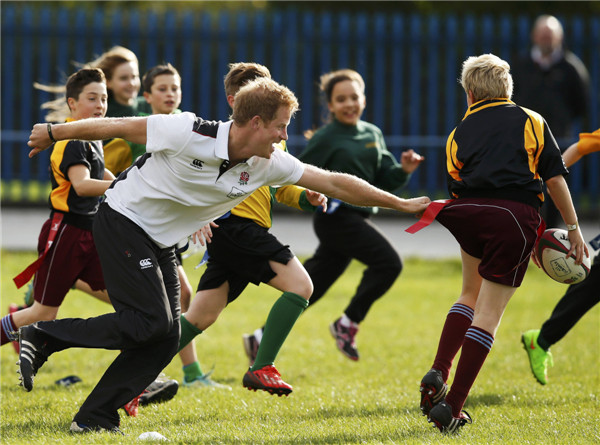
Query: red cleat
x=131 y=408
x=267 y=379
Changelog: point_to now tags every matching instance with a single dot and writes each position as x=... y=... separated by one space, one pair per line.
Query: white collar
x=222 y=142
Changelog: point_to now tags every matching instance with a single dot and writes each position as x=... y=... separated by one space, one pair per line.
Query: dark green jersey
x=116 y=109
x=359 y=150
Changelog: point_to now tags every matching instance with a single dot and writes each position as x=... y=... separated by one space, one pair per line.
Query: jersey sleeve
x=550 y=163
x=390 y=175
x=285 y=169
x=588 y=143
x=169 y=132
x=293 y=196
x=74 y=153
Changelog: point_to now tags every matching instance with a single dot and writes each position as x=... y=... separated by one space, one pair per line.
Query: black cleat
x=433 y=390
x=31 y=356
x=160 y=390
x=441 y=416
x=80 y=428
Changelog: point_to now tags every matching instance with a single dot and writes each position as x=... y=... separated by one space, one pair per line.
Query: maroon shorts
x=501 y=233
x=72 y=255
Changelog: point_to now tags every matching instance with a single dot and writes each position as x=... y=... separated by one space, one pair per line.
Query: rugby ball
x=551 y=251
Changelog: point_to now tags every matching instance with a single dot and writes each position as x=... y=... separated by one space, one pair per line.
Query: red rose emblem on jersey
x=244 y=177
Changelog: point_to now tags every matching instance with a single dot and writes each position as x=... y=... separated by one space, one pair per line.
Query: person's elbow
x=554 y=180
x=80 y=189
x=555 y=183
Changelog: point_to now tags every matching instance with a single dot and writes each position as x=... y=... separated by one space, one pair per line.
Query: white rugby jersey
x=175 y=188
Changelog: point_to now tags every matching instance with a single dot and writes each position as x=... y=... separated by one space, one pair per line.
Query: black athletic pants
x=578 y=299
x=143 y=285
x=348 y=234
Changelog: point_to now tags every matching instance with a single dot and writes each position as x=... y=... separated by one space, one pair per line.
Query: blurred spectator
x=554 y=82
x=551 y=79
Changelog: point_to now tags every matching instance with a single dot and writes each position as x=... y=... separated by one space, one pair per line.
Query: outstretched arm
x=588 y=143
x=356 y=191
x=132 y=129
x=571 y=155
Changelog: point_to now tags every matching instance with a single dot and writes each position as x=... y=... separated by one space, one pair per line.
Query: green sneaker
x=204 y=381
x=539 y=360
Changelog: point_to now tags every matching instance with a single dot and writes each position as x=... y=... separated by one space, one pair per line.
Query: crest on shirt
x=244 y=177
x=197 y=163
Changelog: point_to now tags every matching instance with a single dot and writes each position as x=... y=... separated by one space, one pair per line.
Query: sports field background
x=335 y=400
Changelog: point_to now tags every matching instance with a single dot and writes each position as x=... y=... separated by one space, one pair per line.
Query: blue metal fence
x=410 y=63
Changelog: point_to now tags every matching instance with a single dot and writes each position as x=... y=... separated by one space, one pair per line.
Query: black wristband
x=49 y=128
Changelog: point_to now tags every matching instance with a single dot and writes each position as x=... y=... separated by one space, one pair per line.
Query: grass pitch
x=335 y=400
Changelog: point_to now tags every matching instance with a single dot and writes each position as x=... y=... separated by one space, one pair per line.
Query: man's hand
x=415 y=205
x=317 y=199
x=410 y=160
x=39 y=139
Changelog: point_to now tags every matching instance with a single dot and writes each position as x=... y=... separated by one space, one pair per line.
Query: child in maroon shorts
x=497 y=158
x=78 y=180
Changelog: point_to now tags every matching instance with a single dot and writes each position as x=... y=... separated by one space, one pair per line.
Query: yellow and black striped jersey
x=64 y=155
x=501 y=150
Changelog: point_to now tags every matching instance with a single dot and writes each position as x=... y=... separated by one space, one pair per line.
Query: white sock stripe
x=485 y=340
x=9 y=329
x=465 y=307
x=463 y=310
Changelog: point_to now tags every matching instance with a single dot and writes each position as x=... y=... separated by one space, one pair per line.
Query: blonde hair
x=59 y=109
x=111 y=59
x=241 y=73
x=487 y=76
x=107 y=62
x=262 y=97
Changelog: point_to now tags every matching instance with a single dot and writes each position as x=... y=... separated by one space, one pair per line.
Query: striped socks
x=458 y=320
x=475 y=350
x=9 y=331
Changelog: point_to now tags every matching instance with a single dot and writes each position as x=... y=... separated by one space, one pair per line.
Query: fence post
x=397 y=69
x=433 y=97
x=9 y=23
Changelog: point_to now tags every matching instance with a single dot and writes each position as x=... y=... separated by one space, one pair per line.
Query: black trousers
x=143 y=285
x=348 y=234
x=578 y=300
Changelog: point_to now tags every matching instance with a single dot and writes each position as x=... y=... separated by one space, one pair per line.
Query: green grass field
x=335 y=400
